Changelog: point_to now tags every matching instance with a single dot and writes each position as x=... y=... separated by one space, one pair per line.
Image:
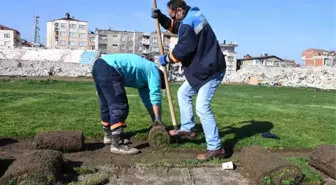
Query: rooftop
x=2 y=27
x=68 y=18
x=322 y=51
x=266 y=56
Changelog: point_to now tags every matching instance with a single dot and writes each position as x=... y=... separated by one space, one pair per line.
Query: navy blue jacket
x=197 y=48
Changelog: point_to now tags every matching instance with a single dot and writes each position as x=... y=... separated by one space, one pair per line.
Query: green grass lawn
x=302 y=118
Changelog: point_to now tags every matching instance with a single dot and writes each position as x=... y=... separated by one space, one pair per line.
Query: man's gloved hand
x=159 y=122
x=156 y=13
x=164 y=60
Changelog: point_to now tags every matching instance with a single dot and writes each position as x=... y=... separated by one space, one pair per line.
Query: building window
x=82 y=35
x=6 y=43
x=115 y=46
x=155 y=40
x=155 y=49
x=123 y=39
x=130 y=48
x=140 y=48
x=73 y=43
x=74 y=26
x=63 y=33
x=130 y=38
x=82 y=44
x=62 y=25
x=7 y=35
x=72 y=34
x=62 y=42
x=92 y=39
x=102 y=46
x=82 y=27
x=123 y=47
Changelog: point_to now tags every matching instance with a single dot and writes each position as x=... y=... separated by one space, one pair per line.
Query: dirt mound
x=266 y=168
x=65 y=141
x=324 y=159
x=41 y=167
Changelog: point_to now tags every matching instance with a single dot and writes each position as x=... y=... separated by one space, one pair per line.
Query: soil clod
x=42 y=167
x=65 y=141
x=324 y=159
x=266 y=168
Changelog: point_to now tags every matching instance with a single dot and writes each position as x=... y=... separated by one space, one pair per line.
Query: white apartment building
x=9 y=38
x=67 y=33
x=228 y=50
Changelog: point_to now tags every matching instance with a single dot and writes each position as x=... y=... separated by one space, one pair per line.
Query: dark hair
x=163 y=84
x=174 y=4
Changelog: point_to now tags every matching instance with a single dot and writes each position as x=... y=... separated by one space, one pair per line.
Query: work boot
x=108 y=137
x=220 y=153
x=189 y=135
x=121 y=149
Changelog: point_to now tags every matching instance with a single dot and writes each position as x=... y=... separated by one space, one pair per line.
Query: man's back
x=133 y=68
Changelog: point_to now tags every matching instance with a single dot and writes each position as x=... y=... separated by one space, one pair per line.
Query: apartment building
x=9 y=37
x=265 y=60
x=67 y=33
x=319 y=58
x=92 y=41
x=228 y=50
x=141 y=43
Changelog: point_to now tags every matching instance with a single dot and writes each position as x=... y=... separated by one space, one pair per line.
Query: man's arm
x=153 y=110
x=166 y=22
x=186 y=45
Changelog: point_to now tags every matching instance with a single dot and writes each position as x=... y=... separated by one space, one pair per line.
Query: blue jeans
x=203 y=110
x=111 y=91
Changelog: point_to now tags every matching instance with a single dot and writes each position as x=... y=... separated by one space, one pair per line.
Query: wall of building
x=91 y=41
x=230 y=57
x=115 y=41
x=65 y=34
x=312 y=57
x=9 y=39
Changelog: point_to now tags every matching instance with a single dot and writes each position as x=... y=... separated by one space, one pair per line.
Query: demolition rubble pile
x=315 y=77
x=43 y=68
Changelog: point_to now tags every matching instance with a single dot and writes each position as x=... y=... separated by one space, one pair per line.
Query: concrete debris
x=43 y=68
x=314 y=77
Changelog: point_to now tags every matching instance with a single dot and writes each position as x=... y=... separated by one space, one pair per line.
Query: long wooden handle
x=171 y=107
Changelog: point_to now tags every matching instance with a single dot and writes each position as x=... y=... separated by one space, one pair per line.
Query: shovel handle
x=171 y=107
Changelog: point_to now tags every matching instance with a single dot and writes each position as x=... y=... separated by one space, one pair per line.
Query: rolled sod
x=265 y=168
x=42 y=167
x=323 y=158
x=65 y=141
x=158 y=137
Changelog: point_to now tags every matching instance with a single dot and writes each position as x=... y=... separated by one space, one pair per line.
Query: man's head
x=177 y=9
x=163 y=84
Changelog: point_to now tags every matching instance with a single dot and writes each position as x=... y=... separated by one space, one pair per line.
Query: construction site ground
x=97 y=165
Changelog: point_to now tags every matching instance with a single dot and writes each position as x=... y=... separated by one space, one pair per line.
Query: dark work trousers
x=112 y=95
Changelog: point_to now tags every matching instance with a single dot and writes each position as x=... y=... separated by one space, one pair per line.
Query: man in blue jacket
x=111 y=74
x=204 y=67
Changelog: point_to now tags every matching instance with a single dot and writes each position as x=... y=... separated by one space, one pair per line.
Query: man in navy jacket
x=204 y=67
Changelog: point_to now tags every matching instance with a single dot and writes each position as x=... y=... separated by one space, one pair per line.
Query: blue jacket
x=138 y=73
x=197 y=48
